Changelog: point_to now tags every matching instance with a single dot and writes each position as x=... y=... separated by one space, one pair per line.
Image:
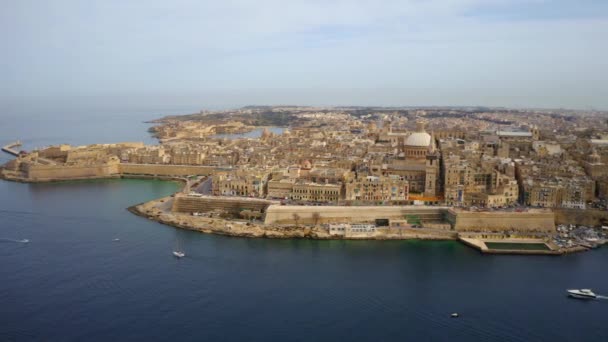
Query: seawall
x=49 y=173
x=541 y=221
x=286 y=214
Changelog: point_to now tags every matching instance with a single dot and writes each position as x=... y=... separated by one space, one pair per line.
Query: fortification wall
x=587 y=217
x=498 y=221
x=192 y=204
x=282 y=214
x=165 y=170
x=39 y=172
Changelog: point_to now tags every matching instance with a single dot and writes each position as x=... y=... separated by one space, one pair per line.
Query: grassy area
x=518 y=246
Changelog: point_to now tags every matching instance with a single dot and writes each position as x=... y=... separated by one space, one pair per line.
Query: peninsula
x=499 y=180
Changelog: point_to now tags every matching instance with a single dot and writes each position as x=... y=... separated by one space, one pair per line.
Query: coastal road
x=205 y=187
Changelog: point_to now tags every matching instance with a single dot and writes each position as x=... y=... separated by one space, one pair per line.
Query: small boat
x=117 y=239
x=582 y=294
x=178 y=251
x=454 y=315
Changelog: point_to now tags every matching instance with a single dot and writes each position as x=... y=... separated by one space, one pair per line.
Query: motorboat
x=582 y=294
x=178 y=251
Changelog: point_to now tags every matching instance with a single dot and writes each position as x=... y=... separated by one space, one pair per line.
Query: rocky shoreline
x=158 y=210
x=219 y=226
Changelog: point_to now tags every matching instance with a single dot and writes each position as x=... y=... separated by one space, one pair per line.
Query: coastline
x=236 y=228
x=219 y=226
x=278 y=230
x=115 y=176
x=231 y=228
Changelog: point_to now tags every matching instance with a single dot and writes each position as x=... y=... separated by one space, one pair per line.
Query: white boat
x=178 y=251
x=582 y=294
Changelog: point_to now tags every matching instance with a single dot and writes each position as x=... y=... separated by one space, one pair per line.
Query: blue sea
x=73 y=282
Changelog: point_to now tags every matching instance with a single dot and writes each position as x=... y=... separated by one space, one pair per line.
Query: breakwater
x=9 y=148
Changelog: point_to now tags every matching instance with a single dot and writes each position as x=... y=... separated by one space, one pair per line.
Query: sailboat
x=178 y=252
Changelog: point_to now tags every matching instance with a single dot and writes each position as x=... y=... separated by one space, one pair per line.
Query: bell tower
x=431 y=171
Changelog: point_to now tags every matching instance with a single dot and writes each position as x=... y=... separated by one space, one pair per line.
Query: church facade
x=415 y=158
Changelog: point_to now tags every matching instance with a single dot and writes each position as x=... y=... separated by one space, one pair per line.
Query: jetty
x=9 y=148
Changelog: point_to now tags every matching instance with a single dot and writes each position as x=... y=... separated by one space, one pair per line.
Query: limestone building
x=416 y=160
x=377 y=189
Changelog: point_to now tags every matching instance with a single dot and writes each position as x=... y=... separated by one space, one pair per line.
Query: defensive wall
x=586 y=217
x=286 y=214
x=534 y=220
x=40 y=172
x=192 y=204
x=37 y=172
x=165 y=170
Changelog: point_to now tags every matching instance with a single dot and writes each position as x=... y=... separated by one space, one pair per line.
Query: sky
x=514 y=53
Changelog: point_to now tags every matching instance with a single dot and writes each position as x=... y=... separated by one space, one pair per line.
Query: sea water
x=74 y=282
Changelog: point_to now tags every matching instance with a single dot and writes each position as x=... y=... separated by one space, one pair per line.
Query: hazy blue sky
x=216 y=53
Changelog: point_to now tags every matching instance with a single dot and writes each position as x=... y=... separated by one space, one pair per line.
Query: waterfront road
x=205 y=187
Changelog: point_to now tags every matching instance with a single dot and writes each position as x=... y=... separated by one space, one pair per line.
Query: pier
x=9 y=148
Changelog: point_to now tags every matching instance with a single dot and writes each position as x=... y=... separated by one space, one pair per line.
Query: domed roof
x=307 y=165
x=418 y=139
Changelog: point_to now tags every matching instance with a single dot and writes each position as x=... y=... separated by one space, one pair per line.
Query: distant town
x=500 y=180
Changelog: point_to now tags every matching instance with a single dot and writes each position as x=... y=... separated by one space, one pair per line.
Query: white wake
x=14 y=240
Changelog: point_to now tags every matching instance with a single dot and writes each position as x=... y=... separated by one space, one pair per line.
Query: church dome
x=307 y=165
x=418 y=139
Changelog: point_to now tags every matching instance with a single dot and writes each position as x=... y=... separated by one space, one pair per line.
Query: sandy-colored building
x=250 y=183
x=377 y=188
x=417 y=159
x=316 y=192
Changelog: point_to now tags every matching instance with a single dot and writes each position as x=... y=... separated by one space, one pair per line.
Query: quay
x=9 y=148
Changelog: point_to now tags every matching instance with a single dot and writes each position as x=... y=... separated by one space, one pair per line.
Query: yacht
x=178 y=251
x=582 y=294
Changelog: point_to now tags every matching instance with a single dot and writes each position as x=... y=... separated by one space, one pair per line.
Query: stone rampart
x=192 y=204
x=39 y=172
x=587 y=217
x=165 y=170
x=283 y=214
x=541 y=221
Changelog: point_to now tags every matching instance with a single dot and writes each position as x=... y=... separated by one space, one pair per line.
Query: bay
x=73 y=282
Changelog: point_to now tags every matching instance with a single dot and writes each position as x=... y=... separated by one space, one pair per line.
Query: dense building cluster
x=470 y=157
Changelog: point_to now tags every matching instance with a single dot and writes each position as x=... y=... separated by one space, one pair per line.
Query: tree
x=316 y=217
x=296 y=218
x=246 y=214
